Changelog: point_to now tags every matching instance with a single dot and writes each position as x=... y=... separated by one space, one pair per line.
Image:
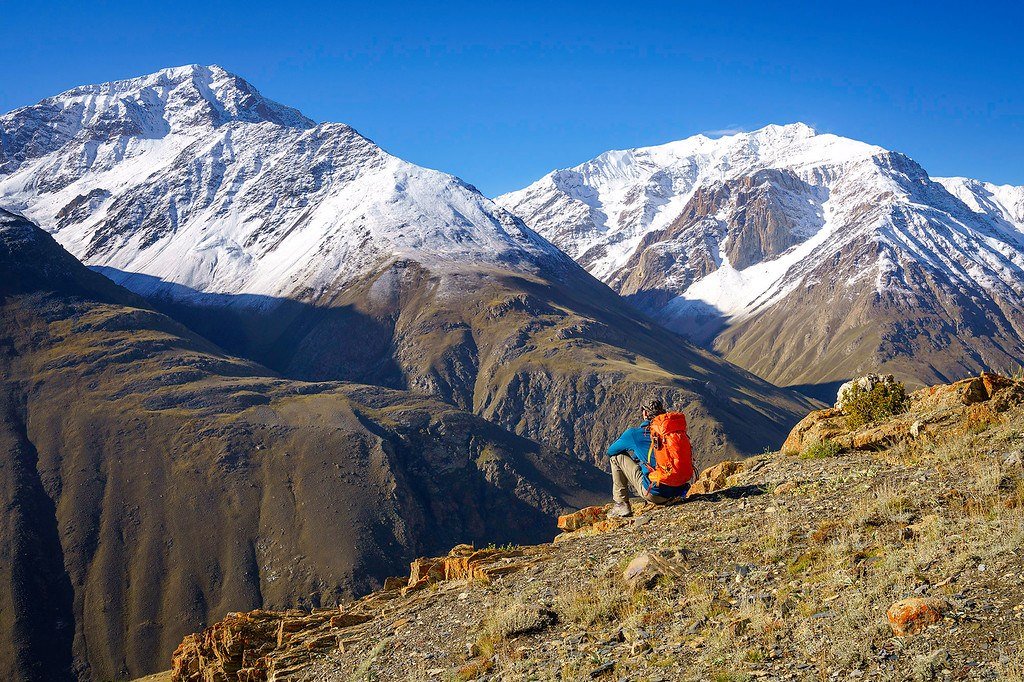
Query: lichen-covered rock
x=584 y=517
x=817 y=426
x=910 y=616
x=714 y=478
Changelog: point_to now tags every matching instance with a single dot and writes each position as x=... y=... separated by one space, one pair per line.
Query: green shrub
x=881 y=402
x=821 y=449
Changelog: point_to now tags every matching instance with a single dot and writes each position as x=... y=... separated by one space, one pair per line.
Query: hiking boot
x=620 y=510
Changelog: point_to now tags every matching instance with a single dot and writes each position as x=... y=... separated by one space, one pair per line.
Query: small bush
x=881 y=402
x=821 y=449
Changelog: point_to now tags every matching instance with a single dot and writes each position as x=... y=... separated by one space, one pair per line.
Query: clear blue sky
x=501 y=93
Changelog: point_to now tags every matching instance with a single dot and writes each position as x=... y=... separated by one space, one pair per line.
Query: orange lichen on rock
x=910 y=616
x=584 y=517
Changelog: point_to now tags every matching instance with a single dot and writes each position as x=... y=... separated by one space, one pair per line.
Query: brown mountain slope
x=554 y=356
x=825 y=332
x=152 y=483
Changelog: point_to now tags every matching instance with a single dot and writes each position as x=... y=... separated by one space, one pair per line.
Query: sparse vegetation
x=821 y=449
x=789 y=581
x=882 y=401
x=518 y=619
x=591 y=603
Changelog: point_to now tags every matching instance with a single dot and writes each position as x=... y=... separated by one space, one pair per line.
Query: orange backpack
x=671 y=448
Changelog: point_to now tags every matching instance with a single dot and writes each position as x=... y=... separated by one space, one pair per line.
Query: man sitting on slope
x=655 y=458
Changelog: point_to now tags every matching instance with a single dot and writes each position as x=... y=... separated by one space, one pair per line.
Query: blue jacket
x=636 y=443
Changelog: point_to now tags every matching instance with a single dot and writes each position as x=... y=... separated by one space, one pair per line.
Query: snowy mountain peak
x=771 y=146
x=706 y=233
x=1005 y=201
x=188 y=181
x=176 y=92
x=600 y=211
x=175 y=100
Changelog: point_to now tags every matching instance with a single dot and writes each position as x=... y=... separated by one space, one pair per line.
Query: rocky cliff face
x=154 y=483
x=804 y=257
x=313 y=251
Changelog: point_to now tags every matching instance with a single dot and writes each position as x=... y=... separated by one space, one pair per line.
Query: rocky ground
x=788 y=573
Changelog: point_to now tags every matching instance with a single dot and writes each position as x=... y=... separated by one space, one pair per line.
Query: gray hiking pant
x=625 y=473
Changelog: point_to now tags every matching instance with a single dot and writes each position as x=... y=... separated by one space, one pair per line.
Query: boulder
x=584 y=517
x=910 y=616
x=641 y=570
x=820 y=425
x=647 y=567
x=881 y=436
x=714 y=478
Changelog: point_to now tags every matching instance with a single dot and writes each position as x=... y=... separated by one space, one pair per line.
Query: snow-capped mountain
x=310 y=249
x=734 y=240
x=192 y=179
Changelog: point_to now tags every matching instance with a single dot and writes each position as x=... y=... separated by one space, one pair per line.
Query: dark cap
x=654 y=407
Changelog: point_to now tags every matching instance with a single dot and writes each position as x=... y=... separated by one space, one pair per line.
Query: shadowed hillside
x=154 y=484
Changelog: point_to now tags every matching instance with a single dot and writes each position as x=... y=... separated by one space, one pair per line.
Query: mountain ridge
x=377 y=206
x=723 y=239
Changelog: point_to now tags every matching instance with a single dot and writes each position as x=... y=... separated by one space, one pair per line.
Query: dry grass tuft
x=600 y=600
x=775 y=540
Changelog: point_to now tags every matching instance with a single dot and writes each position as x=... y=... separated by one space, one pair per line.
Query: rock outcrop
x=465 y=563
x=262 y=646
x=955 y=408
x=715 y=478
x=864 y=383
